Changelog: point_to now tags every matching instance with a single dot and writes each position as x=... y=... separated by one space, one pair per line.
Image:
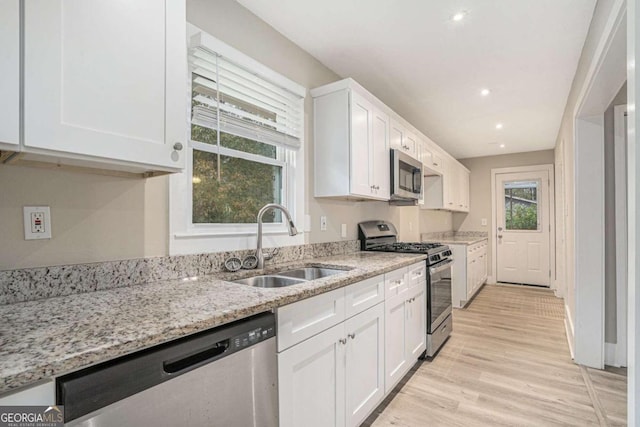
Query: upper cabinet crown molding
x=105 y=84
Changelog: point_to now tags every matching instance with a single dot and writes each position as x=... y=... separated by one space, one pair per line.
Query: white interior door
x=523 y=227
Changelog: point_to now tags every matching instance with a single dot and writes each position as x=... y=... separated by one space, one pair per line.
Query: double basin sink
x=289 y=277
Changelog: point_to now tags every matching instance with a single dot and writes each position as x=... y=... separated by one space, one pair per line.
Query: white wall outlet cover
x=323 y=223
x=37 y=222
x=343 y=231
x=483 y=221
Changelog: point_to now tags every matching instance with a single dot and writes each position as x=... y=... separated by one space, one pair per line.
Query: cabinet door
x=411 y=145
x=416 y=322
x=380 y=156
x=10 y=72
x=361 y=146
x=311 y=386
x=106 y=79
x=465 y=190
x=395 y=357
x=364 y=364
x=471 y=265
x=396 y=135
x=448 y=185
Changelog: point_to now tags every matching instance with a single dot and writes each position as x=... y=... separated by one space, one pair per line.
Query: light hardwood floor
x=507 y=363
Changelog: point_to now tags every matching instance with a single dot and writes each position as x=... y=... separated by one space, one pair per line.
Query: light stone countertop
x=46 y=338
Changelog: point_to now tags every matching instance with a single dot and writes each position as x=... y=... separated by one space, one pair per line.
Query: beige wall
x=480 y=188
x=99 y=218
x=565 y=158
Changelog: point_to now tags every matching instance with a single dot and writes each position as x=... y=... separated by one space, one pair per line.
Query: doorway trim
x=552 y=209
x=620 y=158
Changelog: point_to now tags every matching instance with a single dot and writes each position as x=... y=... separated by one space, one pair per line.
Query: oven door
x=439 y=297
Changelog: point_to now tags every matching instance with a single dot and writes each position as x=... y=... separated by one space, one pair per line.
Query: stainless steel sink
x=290 y=277
x=269 y=281
x=310 y=273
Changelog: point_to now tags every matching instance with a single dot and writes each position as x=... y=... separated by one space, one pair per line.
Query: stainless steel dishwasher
x=226 y=376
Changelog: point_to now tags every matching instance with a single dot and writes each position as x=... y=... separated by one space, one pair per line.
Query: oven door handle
x=440 y=267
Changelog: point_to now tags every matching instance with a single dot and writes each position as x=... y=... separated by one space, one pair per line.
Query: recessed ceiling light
x=485 y=92
x=499 y=126
x=501 y=145
x=459 y=16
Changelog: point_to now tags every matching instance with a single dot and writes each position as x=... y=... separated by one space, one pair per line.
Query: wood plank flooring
x=507 y=363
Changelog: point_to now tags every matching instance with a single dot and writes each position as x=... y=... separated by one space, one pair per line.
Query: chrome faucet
x=292 y=232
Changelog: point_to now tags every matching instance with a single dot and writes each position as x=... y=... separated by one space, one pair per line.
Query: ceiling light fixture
x=499 y=126
x=485 y=92
x=459 y=16
x=501 y=145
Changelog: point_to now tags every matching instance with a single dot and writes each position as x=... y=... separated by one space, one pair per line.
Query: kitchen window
x=245 y=150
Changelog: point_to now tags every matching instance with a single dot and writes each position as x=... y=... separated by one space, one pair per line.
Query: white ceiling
x=430 y=69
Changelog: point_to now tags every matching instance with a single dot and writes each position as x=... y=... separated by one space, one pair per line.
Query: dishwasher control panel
x=252 y=337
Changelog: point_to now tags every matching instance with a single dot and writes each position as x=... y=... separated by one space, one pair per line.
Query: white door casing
x=523 y=255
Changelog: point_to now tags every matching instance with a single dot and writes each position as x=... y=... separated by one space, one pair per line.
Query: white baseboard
x=568 y=325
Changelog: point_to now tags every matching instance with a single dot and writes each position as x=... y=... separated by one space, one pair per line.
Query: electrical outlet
x=323 y=223
x=37 y=222
x=343 y=231
x=484 y=222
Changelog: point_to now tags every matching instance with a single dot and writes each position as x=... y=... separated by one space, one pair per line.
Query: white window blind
x=228 y=98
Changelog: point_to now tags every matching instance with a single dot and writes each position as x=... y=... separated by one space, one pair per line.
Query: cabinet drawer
x=303 y=319
x=362 y=295
x=417 y=274
x=395 y=282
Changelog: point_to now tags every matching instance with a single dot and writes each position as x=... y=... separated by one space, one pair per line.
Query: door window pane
x=244 y=187
x=521 y=205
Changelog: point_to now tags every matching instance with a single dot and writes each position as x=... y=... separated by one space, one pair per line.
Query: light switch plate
x=343 y=231
x=37 y=222
x=483 y=221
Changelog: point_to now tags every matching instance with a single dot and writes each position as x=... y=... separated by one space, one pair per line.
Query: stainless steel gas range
x=382 y=236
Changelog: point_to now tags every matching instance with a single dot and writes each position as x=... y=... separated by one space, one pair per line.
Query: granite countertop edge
x=458 y=241
x=38 y=341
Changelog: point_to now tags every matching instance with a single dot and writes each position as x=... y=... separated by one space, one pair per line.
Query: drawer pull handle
x=342 y=340
x=352 y=336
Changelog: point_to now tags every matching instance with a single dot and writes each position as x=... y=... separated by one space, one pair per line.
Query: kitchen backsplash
x=447 y=234
x=45 y=282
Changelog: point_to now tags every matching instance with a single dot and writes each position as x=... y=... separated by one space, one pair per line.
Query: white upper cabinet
x=10 y=72
x=106 y=81
x=448 y=190
x=351 y=143
x=402 y=139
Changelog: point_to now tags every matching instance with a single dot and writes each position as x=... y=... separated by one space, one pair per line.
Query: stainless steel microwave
x=406 y=178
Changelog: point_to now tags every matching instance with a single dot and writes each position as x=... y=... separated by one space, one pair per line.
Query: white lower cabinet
x=311 y=381
x=396 y=362
x=336 y=377
x=372 y=332
x=364 y=364
x=469 y=272
x=405 y=330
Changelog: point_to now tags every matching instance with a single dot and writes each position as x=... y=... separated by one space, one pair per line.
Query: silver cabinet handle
x=352 y=336
x=342 y=340
x=177 y=146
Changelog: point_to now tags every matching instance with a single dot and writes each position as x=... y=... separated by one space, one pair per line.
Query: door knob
x=177 y=146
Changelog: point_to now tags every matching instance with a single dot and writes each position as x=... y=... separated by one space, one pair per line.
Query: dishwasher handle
x=181 y=363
